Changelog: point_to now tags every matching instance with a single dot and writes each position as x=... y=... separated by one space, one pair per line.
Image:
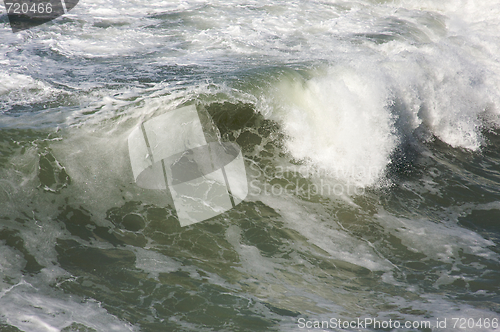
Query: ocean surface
x=370 y=132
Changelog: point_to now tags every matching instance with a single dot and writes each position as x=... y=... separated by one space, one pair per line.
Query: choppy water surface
x=370 y=131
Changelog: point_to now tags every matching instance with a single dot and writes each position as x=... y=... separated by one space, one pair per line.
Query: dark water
x=371 y=145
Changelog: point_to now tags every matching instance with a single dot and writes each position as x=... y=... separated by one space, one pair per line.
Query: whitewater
x=370 y=136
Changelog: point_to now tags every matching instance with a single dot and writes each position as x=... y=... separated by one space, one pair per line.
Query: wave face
x=370 y=134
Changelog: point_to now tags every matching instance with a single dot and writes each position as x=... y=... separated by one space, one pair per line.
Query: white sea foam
x=351 y=117
x=340 y=122
x=29 y=309
x=356 y=80
x=437 y=241
x=437 y=62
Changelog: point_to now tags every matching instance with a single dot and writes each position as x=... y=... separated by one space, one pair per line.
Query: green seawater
x=371 y=142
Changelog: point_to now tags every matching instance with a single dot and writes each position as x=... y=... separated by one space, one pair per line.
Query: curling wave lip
x=204 y=179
